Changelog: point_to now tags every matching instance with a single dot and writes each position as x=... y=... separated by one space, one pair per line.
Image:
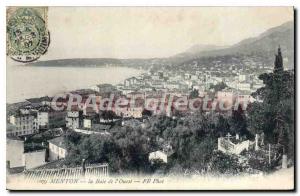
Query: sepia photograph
x=150 y=98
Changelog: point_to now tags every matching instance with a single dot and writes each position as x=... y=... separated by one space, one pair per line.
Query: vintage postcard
x=150 y=98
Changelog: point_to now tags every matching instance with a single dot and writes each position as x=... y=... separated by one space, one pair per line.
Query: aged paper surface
x=150 y=98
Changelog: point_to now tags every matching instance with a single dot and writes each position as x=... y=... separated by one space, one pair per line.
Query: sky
x=147 y=32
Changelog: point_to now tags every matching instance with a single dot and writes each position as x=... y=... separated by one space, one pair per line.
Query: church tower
x=278 y=64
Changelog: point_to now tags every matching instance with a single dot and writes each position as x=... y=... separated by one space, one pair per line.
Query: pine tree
x=274 y=113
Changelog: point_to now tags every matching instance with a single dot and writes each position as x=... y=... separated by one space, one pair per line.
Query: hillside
x=266 y=44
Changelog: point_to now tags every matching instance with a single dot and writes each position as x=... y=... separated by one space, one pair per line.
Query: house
x=34 y=159
x=194 y=77
x=89 y=119
x=24 y=122
x=155 y=76
x=171 y=85
x=73 y=119
x=92 y=126
x=17 y=160
x=158 y=155
x=244 y=86
x=130 y=81
x=48 y=118
x=242 y=77
x=10 y=129
x=87 y=123
x=163 y=154
x=187 y=76
x=14 y=153
x=156 y=84
x=57 y=148
x=105 y=90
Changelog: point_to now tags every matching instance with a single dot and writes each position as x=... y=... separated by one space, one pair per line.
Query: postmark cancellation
x=27 y=35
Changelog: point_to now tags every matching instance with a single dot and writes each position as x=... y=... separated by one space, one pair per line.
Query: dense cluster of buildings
x=181 y=82
x=37 y=115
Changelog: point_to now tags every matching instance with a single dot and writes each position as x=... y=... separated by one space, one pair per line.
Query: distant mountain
x=266 y=43
x=193 y=52
x=200 y=48
x=282 y=35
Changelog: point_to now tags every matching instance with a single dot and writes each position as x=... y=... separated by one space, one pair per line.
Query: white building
x=24 y=124
x=242 y=77
x=14 y=152
x=158 y=155
x=171 y=85
x=16 y=158
x=87 y=123
x=244 y=86
x=130 y=81
x=72 y=119
x=162 y=154
x=49 y=118
x=34 y=159
x=57 y=148
x=194 y=77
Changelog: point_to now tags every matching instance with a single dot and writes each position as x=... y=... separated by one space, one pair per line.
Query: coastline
x=62 y=81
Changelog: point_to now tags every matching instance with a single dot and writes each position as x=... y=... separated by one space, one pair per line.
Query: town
x=83 y=140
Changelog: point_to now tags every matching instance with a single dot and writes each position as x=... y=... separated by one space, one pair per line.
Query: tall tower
x=278 y=64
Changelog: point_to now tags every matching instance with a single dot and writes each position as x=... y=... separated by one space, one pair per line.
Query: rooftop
x=13 y=138
x=59 y=141
x=100 y=127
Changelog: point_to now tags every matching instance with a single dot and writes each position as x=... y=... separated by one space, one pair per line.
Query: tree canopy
x=273 y=113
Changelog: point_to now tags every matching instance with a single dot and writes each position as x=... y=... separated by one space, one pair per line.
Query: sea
x=23 y=82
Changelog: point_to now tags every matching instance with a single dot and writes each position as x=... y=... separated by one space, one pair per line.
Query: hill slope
x=266 y=43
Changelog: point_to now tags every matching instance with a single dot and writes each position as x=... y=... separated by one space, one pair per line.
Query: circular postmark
x=27 y=35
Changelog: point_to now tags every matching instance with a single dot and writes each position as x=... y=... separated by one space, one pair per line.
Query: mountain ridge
x=266 y=43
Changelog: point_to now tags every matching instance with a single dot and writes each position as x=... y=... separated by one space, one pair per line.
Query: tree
x=222 y=126
x=238 y=123
x=221 y=163
x=194 y=94
x=108 y=115
x=218 y=87
x=274 y=112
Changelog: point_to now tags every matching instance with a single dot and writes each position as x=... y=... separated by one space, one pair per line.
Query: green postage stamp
x=27 y=35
